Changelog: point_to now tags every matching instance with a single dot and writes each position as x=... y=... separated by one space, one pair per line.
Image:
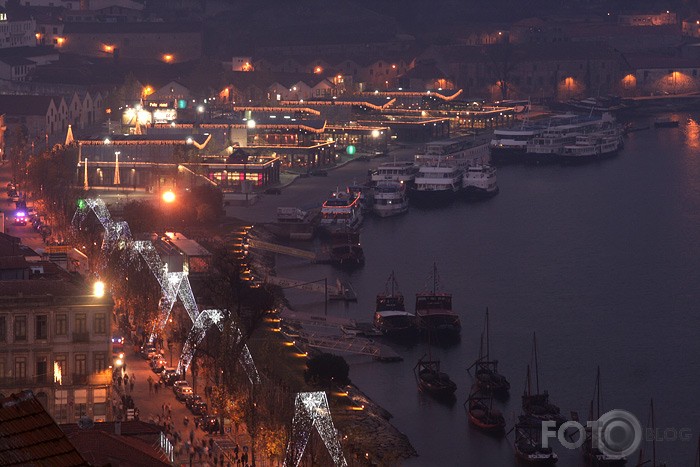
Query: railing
x=81 y=337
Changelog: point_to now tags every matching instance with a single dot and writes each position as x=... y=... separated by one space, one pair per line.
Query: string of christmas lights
x=173 y=285
x=311 y=409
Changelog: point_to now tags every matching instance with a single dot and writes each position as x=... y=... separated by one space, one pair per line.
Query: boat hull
x=391 y=211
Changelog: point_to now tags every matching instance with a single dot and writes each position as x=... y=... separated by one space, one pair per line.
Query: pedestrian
x=131 y=384
x=191 y=435
x=168 y=408
x=155 y=388
x=133 y=377
x=235 y=451
x=119 y=380
x=126 y=380
x=162 y=408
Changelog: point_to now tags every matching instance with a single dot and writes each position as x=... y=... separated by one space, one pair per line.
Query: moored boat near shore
x=433 y=381
x=434 y=314
x=483 y=415
x=390 y=316
x=389 y=199
x=341 y=212
x=480 y=181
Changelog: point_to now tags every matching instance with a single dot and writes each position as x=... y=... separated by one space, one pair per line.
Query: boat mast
x=537 y=369
x=487 y=333
x=529 y=388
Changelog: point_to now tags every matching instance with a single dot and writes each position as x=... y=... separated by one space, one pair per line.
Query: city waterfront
x=599 y=260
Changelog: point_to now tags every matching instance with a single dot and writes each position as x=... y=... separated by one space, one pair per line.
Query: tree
x=504 y=61
x=326 y=370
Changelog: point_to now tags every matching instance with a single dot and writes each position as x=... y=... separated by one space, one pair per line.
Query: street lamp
x=98 y=289
x=168 y=196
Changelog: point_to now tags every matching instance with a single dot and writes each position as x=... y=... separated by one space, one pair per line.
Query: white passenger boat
x=402 y=172
x=480 y=180
x=390 y=199
x=436 y=184
x=592 y=146
x=341 y=212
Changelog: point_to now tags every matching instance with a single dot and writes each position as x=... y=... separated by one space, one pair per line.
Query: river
x=600 y=260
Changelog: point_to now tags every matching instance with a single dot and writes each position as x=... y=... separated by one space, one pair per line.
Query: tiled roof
x=29 y=436
x=102 y=448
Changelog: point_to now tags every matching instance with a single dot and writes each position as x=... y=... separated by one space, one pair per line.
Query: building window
x=80 y=323
x=3 y=328
x=41 y=370
x=80 y=364
x=61 y=325
x=100 y=362
x=61 y=405
x=20 y=328
x=41 y=329
x=20 y=368
x=80 y=402
x=62 y=361
x=100 y=326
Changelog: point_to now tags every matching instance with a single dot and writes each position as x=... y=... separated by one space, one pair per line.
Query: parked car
x=193 y=399
x=158 y=365
x=145 y=349
x=170 y=378
x=167 y=371
x=183 y=392
x=199 y=408
x=178 y=384
x=209 y=423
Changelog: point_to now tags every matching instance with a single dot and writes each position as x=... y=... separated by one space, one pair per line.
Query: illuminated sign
x=164 y=115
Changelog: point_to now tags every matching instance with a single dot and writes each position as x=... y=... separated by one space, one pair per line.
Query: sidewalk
x=153 y=408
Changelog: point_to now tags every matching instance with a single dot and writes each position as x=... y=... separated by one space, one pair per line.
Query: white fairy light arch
x=173 y=285
x=311 y=410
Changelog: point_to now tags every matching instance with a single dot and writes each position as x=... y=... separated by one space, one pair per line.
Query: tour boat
x=341 y=212
x=389 y=199
x=537 y=404
x=346 y=249
x=591 y=453
x=563 y=131
x=459 y=152
x=480 y=180
x=487 y=378
x=436 y=184
x=433 y=381
x=401 y=172
x=528 y=444
x=434 y=314
x=510 y=144
x=390 y=316
x=592 y=146
x=483 y=415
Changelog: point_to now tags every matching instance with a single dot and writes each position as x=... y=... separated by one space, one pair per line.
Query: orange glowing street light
x=168 y=58
x=169 y=196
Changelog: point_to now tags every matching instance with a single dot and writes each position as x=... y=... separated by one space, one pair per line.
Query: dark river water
x=601 y=261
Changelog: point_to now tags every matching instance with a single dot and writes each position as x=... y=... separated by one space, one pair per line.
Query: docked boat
x=563 y=131
x=459 y=152
x=480 y=181
x=363 y=192
x=598 y=104
x=436 y=184
x=487 y=378
x=536 y=404
x=483 y=415
x=591 y=452
x=528 y=444
x=434 y=314
x=389 y=199
x=341 y=212
x=433 y=381
x=401 y=172
x=509 y=145
x=593 y=146
x=346 y=249
x=390 y=316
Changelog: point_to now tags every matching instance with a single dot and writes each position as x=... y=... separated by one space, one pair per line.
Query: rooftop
x=29 y=436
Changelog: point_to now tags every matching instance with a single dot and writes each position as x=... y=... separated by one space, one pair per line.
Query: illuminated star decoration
x=311 y=410
x=173 y=285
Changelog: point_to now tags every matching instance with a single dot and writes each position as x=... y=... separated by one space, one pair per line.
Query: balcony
x=81 y=337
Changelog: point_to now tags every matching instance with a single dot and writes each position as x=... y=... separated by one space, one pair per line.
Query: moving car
x=182 y=392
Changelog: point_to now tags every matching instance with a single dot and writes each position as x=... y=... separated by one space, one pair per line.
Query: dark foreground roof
x=29 y=436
